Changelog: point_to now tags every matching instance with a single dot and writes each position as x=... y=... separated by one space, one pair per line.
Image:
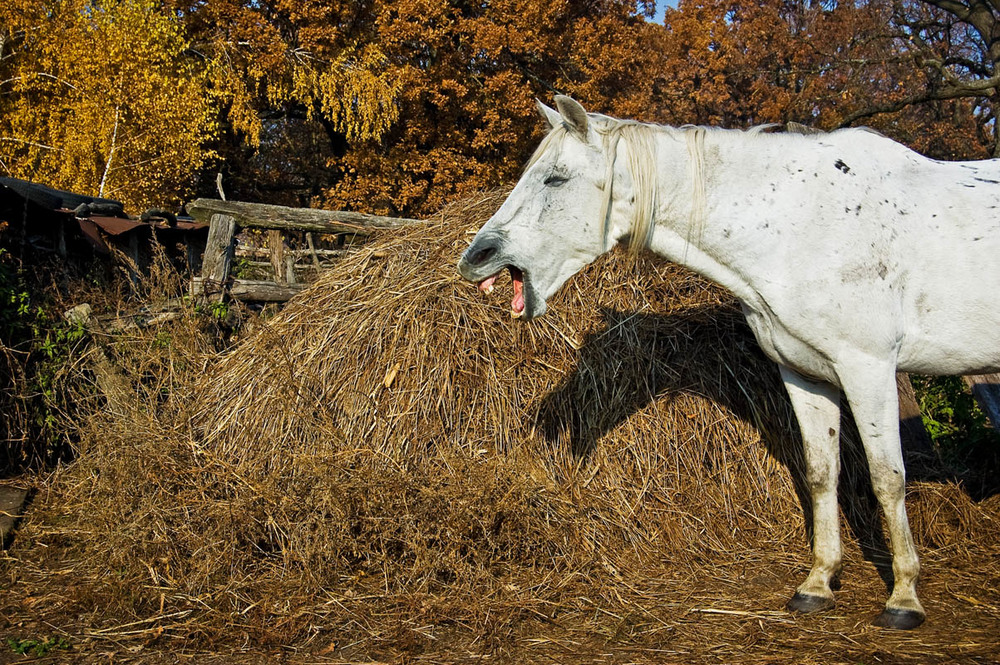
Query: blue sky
x=661 y=5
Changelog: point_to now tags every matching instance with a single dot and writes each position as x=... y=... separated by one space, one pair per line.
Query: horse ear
x=549 y=114
x=573 y=114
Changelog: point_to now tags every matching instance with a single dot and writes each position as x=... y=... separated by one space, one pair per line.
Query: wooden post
x=986 y=389
x=916 y=442
x=217 y=260
x=276 y=243
x=132 y=252
x=312 y=250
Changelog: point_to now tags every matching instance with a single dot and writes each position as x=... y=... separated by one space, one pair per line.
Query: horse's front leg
x=870 y=387
x=817 y=408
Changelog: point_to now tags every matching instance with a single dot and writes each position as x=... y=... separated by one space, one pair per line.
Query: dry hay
x=638 y=399
x=390 y=466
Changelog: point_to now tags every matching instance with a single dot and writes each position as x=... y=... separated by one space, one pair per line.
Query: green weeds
x=38 y=648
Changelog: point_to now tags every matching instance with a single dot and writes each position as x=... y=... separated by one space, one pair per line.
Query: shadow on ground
x=680 y=353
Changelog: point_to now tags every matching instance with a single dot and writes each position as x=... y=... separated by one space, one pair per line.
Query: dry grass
x=391 y=469
x=14 y=424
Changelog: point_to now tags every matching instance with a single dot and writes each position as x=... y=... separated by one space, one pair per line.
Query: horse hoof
x=807 y=603
x=899 y=619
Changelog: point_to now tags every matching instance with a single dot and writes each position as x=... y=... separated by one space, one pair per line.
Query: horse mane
x=640 y=138
x=552 y=139
x=641 y=165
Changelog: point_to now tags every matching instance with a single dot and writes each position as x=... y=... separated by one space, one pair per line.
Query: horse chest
x=784 y=348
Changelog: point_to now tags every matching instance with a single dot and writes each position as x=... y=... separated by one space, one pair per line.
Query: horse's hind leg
x=817 y=408
x=871 y=391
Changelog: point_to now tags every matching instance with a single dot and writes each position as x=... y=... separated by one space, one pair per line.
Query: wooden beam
x=263 y=216
x=254 y=290
x=986 y=389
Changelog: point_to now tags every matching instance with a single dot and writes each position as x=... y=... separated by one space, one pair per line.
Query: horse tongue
x=517 y=304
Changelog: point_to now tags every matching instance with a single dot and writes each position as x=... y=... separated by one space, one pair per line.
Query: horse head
x=561 y=215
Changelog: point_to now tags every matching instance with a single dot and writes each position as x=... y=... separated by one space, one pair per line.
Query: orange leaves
x=818 y=63
x=397 y=106
x=471 y=72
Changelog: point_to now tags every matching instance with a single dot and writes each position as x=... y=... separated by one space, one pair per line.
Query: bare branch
x=959 y=9
x=920 y=98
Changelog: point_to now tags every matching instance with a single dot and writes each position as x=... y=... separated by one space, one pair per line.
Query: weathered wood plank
x=218 y=256
x=986 y=389
x=264 y=216
x=276 y=245
x=256 y=291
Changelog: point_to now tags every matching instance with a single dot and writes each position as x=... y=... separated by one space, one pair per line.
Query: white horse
x=852 y=256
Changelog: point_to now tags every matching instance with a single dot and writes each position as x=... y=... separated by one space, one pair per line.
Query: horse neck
x=698 y=168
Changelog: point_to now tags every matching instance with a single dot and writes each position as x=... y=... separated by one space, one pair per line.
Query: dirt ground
x=722 y=608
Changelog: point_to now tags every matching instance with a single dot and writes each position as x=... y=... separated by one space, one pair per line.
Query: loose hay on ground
x=392 y=464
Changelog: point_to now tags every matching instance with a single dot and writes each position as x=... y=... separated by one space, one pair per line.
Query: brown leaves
x=398 y=107
x=820 y=64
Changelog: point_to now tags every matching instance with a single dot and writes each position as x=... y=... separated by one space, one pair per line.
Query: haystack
x=642 y=386
x=391 y=453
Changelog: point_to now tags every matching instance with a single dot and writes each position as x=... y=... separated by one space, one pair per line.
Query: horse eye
x=555 y=180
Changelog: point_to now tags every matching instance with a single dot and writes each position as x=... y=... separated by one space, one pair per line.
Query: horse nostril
x=482 y=256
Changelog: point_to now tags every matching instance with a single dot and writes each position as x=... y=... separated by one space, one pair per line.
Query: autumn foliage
x=397 y=106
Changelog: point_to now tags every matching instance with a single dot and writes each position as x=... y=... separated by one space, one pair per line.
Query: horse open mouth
x=517 y=304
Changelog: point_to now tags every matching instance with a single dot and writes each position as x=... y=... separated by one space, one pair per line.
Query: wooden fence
x=226 y=218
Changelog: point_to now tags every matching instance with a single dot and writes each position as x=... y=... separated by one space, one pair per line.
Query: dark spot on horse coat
x=833 y=432
x=992 y=182
x=842 y=166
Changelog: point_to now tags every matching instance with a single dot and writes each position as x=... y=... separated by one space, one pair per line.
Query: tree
x=825 y=64
x=471 y=73
x=956 y=45
x=99 y=99
x=125 y=98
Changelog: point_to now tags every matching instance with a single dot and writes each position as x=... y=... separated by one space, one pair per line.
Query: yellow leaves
x=356 y=94
x=120 y=106
x=302 y=65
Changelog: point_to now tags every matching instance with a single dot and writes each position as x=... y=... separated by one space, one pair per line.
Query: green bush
x=959 y=429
